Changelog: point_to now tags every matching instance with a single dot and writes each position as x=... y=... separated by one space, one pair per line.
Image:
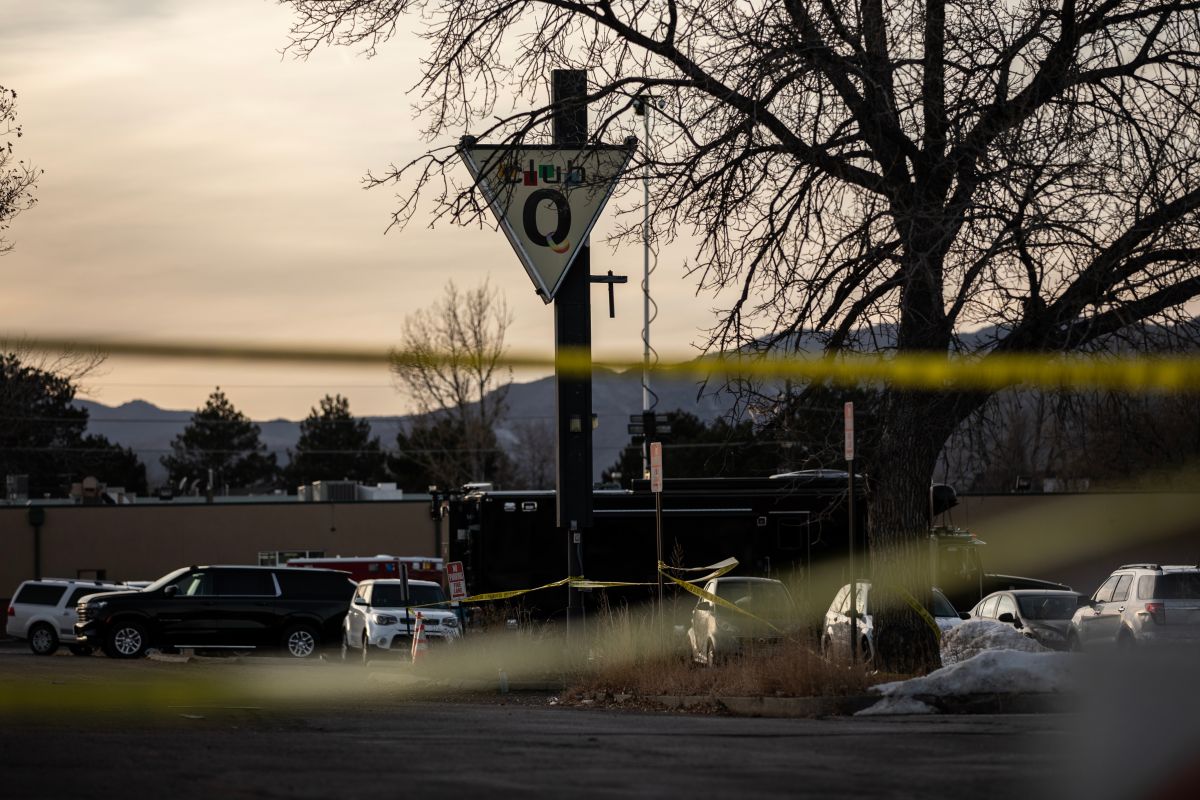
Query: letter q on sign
x=562 y=210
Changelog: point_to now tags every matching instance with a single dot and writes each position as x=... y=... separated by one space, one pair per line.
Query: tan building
x=145 y=540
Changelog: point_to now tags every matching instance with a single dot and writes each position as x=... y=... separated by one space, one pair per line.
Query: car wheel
x=43 y=641
x=1073 y=643
x=300 y=641
x=126 y=640
x=865 y=653
x=1125 y=641
x=366 y=651
x=345 y=647
x=710 y=656
x=827 y=646
x=80 y=649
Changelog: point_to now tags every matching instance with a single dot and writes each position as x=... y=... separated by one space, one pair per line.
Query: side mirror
x=171 y=591
x=963 y=615
x=1010 y=619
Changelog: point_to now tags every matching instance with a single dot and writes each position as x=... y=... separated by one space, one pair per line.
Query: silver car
x=1042 y=615
x=1140 y=604
x=835 y=633
x=718 y=631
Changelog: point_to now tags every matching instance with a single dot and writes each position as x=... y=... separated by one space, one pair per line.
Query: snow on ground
x=979 y=635
x=981 y=656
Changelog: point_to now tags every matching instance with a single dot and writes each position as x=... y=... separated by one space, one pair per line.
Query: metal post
x=853 y=572
x=573 y=332
x=645 y=108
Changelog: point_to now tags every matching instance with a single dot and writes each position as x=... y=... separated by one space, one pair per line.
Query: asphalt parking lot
x=264 y=727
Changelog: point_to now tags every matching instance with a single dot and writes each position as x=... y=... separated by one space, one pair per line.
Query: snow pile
x=989 y=672
x=980 y=635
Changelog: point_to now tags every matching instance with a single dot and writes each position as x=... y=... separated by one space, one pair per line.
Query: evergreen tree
x=695 y=450
x=221 y=438
x=333 y=445
x=439 y=451
x=42 y=434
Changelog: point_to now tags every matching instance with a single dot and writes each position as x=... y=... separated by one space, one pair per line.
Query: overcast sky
x=200 y=186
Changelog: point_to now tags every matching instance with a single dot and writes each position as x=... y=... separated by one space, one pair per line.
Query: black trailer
x=774 y=527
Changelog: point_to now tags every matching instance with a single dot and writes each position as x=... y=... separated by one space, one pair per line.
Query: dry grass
x=628 y=656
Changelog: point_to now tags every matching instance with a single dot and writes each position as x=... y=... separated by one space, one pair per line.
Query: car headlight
x=385 y=619
x=97 y=605
x=450 y=622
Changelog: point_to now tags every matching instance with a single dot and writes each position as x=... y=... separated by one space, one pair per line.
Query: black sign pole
x=573 y=332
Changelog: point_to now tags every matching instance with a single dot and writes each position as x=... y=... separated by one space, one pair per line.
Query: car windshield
x=170 y=577
x=763 y=598
x=941 y=606
x=427 y=595
x=391 y=595
x=1047 y=606
x=1177 y=586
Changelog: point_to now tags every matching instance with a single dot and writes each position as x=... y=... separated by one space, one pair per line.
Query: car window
x=40 y=594
x=244 y=583
x=1047 y=606
x=942 y=607
x=1104 y=593
x=84 y=591
x=1145 y=587
x=1121 y=590
x=1174 y=586
x=196 y=584
x=839 y=600
x=989 y=607
x=1006 y=606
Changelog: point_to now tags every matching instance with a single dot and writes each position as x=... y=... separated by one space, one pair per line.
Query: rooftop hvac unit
x=335 y=491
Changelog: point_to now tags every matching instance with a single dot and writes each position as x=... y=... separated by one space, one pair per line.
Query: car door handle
x=1122 y=608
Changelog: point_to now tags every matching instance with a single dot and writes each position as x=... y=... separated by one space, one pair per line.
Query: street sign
x=849 y=412
x=458 y=581
x=546 y=199
x=656 y=470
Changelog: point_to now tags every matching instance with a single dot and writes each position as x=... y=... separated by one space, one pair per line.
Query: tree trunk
x=914 y=427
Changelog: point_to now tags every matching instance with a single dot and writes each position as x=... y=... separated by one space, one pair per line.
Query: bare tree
x=450 y=365
x=533 y=454
x=882 y=175
x=16 y=178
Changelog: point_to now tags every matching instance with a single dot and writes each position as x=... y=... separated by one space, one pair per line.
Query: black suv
x=238 y=608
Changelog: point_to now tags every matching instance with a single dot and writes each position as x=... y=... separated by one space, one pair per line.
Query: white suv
x=382 y=615
x=1141 y=604
x=43 y=612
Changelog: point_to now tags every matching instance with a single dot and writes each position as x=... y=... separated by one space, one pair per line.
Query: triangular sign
x=546 y=199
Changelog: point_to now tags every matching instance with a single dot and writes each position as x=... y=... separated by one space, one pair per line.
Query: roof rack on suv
x=1139 y=566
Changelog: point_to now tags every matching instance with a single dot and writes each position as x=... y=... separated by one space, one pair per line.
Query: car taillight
x=1157 y=612
x=12 y=612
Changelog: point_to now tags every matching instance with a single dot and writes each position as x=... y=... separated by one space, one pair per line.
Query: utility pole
x=642 y=108
x=573 y=334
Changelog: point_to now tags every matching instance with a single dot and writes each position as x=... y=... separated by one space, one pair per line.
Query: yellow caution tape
x=714 y=571
x=481 y=598
x=927 y=371
x=922 y=611
x=722 y=602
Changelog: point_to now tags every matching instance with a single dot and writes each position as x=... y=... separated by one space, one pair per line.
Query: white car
x=835 y=633
x=43 y=612
x=382 y=616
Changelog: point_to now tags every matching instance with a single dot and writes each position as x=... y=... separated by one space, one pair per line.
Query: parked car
x=835 y=634
x=1044 y=616
x=382 y=616
x=717 y=632
x=43 y=613
x=221 y=607
x=1140 y=604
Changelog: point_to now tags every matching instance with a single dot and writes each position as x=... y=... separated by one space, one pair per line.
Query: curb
x=800 y=707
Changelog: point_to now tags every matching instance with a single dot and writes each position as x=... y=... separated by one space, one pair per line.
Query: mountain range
x=148 y=430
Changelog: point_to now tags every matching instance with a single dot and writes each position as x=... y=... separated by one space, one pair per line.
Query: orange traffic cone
x=419 y=644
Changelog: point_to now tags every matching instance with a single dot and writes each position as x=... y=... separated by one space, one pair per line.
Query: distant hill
x=148 y=430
